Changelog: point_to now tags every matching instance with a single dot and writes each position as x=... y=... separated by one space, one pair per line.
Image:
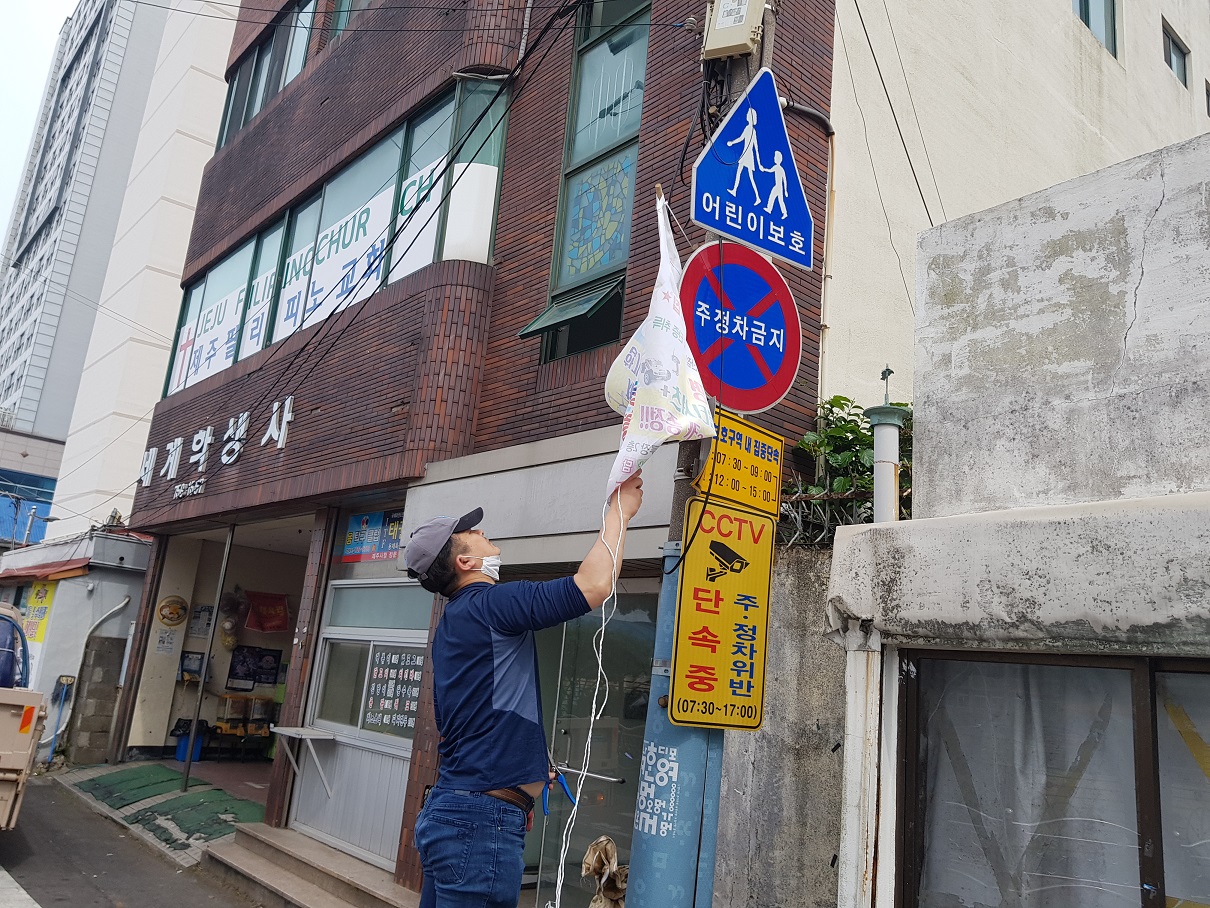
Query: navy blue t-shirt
x=485 y=681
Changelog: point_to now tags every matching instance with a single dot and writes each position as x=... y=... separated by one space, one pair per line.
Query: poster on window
x=252 y=665
x=296 y=284
x=373 y=537
x=414 y=246
x=217 y=335
x=392 y=696
x=348 y=258
x=256 y=322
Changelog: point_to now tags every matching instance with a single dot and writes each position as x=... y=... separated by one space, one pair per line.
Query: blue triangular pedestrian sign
x=746 y=184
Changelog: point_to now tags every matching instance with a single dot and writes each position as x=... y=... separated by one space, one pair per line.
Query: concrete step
x=266 y=883
x=354 y=882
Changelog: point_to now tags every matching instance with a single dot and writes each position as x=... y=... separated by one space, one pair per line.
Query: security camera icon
x=729 y=561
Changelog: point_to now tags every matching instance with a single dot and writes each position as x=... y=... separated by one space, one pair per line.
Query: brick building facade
x=415 y=392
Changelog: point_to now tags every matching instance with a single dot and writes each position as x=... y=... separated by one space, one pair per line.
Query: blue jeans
x=470 y=846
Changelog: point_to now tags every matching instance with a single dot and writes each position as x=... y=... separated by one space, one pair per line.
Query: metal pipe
x=521 y=48
x=201 y=684
x=826 y=267
x=887 y=420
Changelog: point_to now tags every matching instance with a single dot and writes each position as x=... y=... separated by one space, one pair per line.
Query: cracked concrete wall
x=1063 y=342
x=779 y=826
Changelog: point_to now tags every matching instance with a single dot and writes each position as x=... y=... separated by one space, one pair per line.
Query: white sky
x=31 y=30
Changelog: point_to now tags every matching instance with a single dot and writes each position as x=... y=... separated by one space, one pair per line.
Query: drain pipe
x=863 y=688
x=887 y=420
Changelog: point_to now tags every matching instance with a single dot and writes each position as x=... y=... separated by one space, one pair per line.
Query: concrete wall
x=127 y=355
x=73 y=612
x=781 y=793
x=995 y=100
x=1063 y=343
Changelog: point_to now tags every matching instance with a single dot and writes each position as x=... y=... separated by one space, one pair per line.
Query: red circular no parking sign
x=742 y=326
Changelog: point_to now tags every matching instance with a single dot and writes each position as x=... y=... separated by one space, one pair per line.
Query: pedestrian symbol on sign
x=745 y=182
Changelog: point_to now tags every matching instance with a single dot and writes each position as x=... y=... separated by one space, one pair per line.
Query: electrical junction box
x=733 y=28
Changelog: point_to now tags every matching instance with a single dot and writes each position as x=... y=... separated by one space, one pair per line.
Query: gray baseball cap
x=430 y=537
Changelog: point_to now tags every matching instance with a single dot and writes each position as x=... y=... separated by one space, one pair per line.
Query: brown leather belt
x=514 y=796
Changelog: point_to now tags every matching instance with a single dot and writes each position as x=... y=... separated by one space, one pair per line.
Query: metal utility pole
x=201 y=684
x=676 y=818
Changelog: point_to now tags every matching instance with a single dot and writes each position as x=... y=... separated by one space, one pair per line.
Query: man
x=494 y=757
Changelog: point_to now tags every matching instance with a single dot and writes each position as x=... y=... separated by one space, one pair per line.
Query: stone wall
x=779 y=827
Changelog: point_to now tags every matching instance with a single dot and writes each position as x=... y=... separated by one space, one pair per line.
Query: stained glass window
x=598 y=186
x=596 y=217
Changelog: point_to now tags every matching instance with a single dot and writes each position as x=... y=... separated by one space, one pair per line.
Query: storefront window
x=373 y=642
x=338 y=244
x=417 y=218
x=185 y=337
x=216 y=333
x=597 y=199
x=343 y=680
x=380 y=606
x=1183 y=732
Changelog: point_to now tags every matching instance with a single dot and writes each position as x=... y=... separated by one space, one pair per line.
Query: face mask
x=491 y=566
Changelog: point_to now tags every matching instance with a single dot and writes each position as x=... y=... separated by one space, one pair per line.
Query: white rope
x=608 y=608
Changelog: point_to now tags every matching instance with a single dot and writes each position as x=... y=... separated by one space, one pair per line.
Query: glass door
x=610 y=785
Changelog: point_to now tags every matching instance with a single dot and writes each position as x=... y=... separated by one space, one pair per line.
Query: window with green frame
x=345 y=9
x=267 y=68
x=597 y=197
x=334 y=249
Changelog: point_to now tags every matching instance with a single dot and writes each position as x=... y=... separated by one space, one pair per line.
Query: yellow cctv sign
x=722 y=618
x=744 y=466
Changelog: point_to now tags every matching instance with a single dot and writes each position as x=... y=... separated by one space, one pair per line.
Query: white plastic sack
x=654 y=382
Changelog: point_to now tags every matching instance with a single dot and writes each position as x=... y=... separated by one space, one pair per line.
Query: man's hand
x=599 y=571
x=630 y=495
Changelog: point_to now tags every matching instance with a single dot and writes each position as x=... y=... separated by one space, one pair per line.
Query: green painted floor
x=196 y=816
x=178 y=822
x=129 y=786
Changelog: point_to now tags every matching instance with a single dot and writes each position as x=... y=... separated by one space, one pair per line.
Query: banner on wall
x=296 y=281
x=256 y=322
x=37 y=617
x=373 y=537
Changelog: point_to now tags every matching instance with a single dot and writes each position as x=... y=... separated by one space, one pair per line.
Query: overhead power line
x=911 y=100
x=873 y=170
x=286 y=23
x=894 y=116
